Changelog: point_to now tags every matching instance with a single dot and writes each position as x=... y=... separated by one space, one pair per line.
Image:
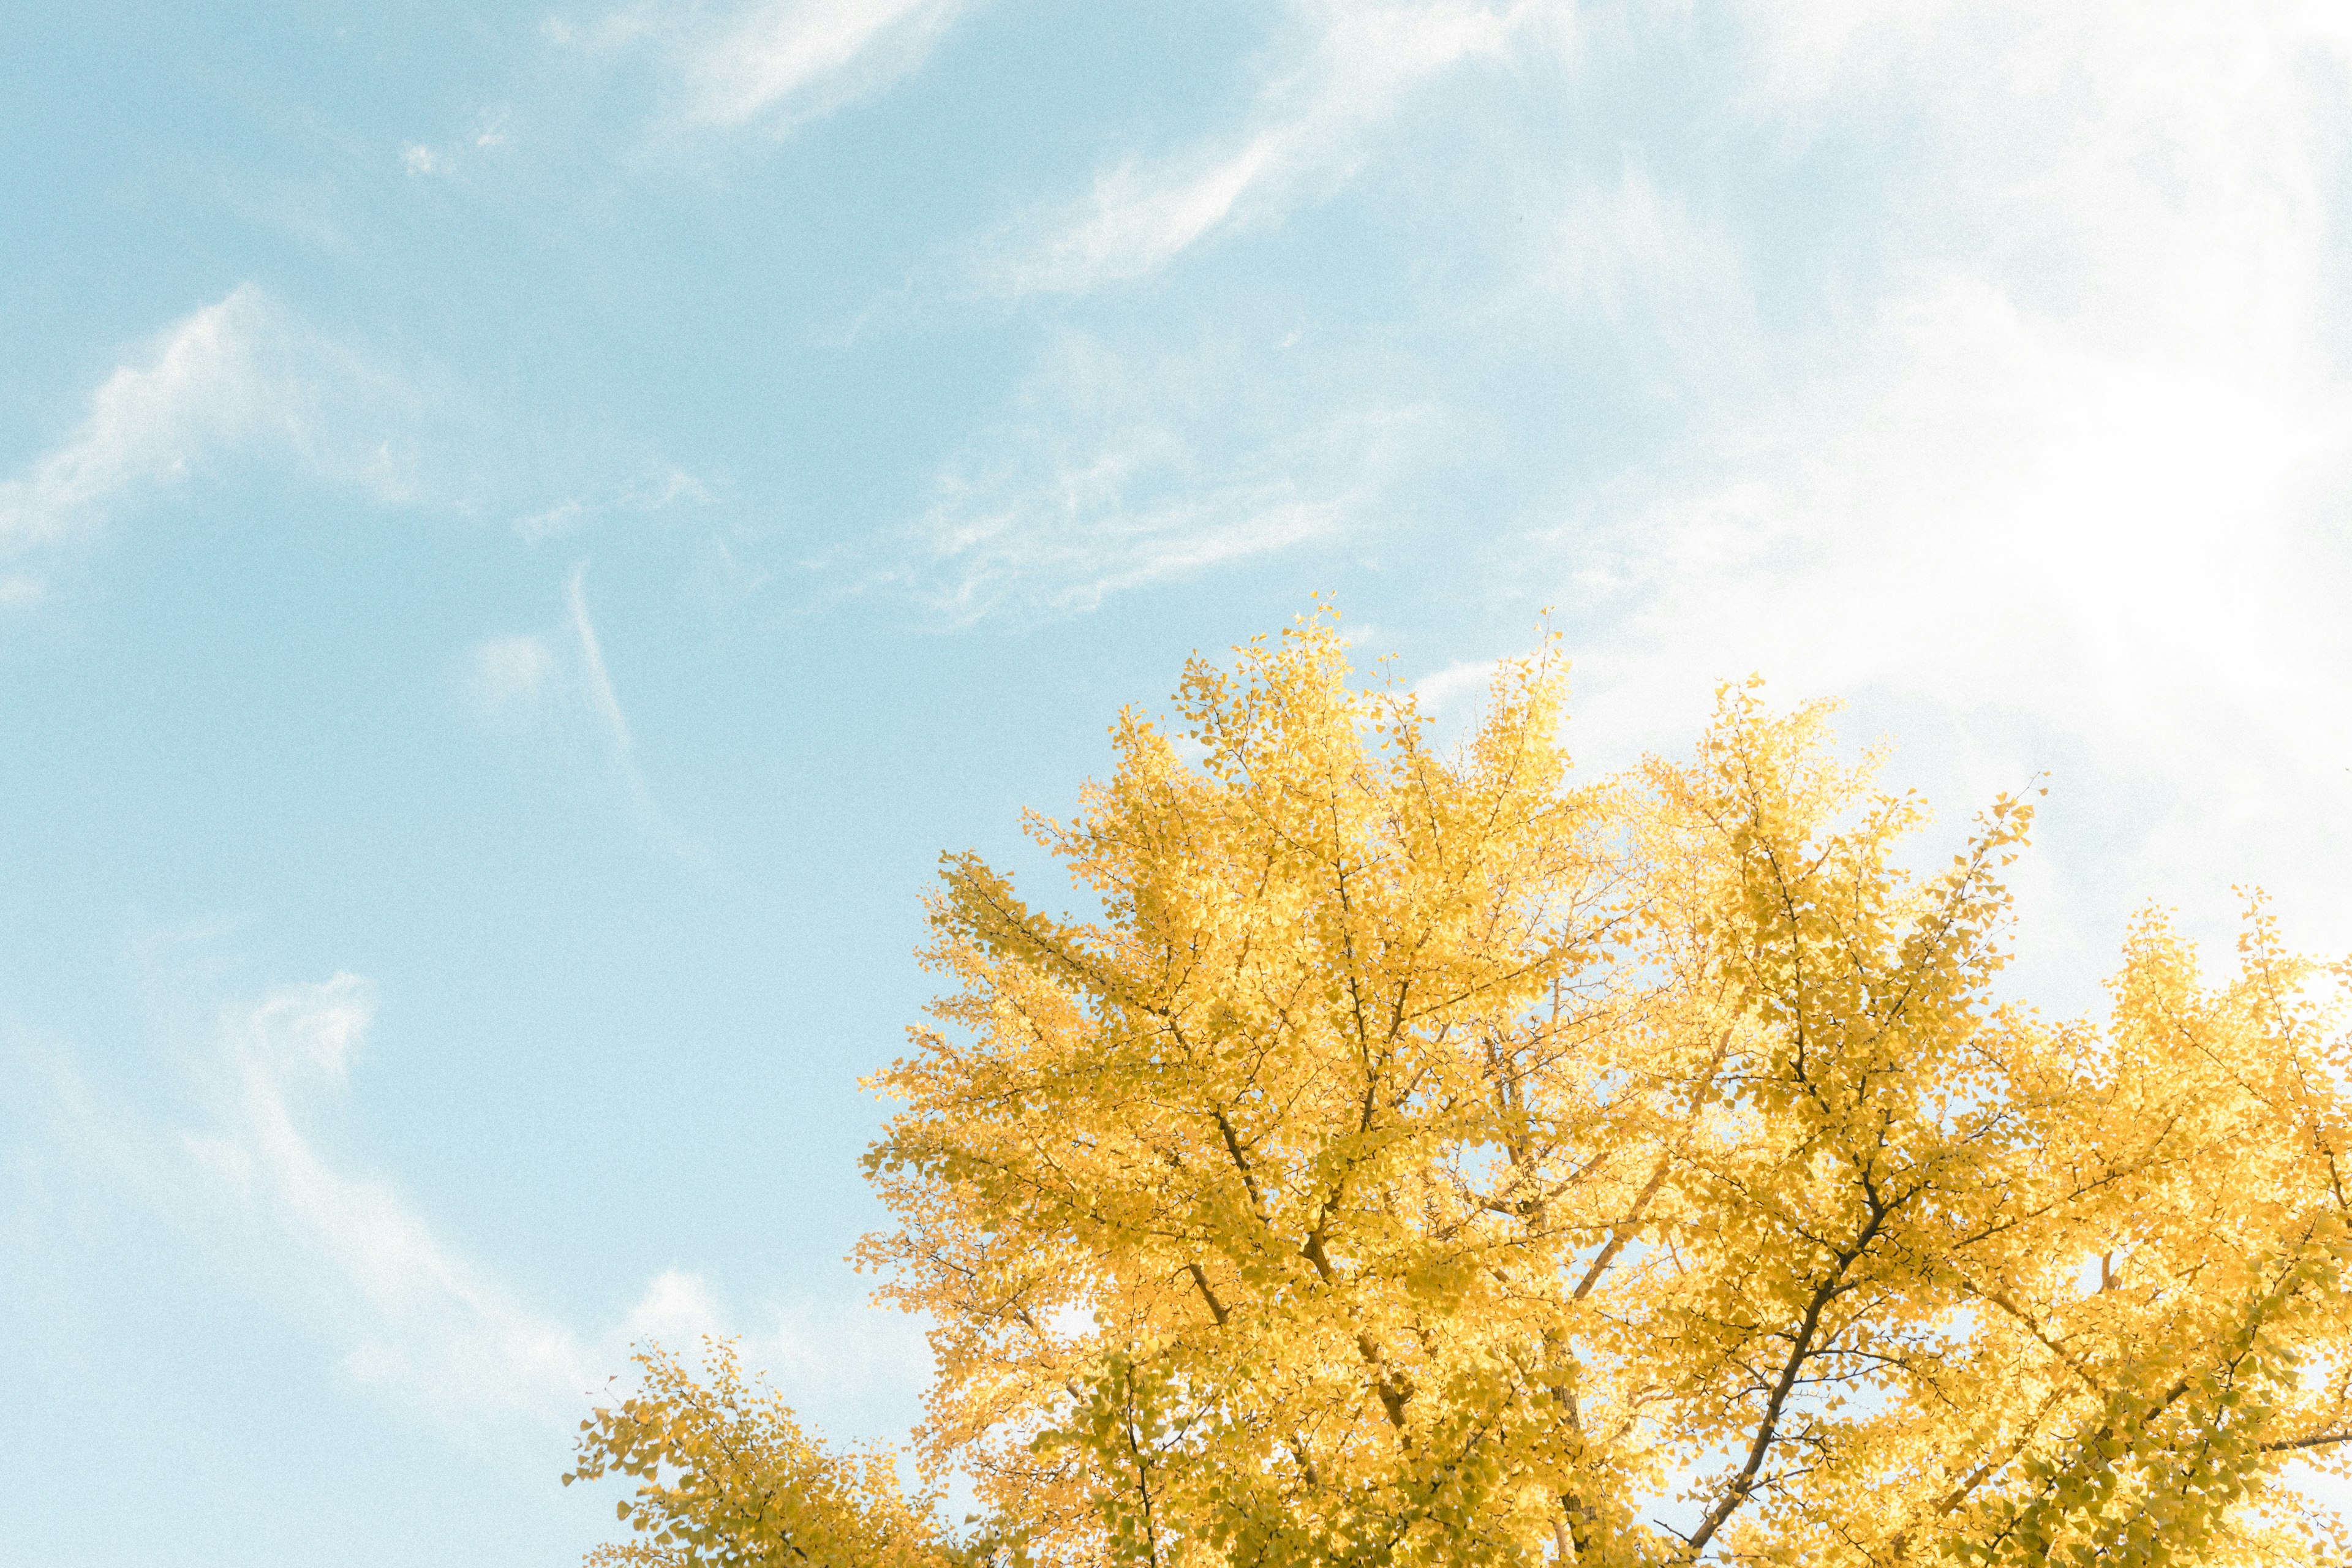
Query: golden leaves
x=1425 y=1158
x=726 y=1476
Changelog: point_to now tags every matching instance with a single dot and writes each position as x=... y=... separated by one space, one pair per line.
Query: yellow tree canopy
x=1420 y=1157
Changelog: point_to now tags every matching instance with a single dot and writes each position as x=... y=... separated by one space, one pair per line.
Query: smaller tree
x=1426 y=1159
x=727 y=1476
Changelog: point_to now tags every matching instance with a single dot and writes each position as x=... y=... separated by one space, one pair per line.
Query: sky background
x=524 y=531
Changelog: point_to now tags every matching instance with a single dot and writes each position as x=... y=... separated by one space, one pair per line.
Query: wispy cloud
x=486 y=135
x=1105 y=474
x=510 y=675
x=556 y=684
x=417 y=1320
x=1668 y=277
x=1304 y=136
x=421 y=1321
x=243 y=377
x=599 y=681
x=771 y=64
x=248 y=384
x=653 y=492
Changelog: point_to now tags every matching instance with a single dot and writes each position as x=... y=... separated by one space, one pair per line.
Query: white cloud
x=460 y=154
x=506 y=675
x=774 y=64
x=242 y=377
x=1668 y=277
x=421 y=1321
x=554 y=522
x=601 y=695
x=1104 y=475
x=1307 y=132
x=651 y=492
x=248 y=384
x=556 y=685
x=728 y=577
x=1136 y=219
x=2069 y=488
x=792 y=60
x=1064 y=539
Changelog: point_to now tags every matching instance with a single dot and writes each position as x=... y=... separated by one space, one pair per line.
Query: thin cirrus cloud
x=1068 y=540
x=420 y=1321
x=1113 y=468
x=657 y=490
x=243 y=378
x=1306 y=134
x=249 y=383
x=770 y=65
x=1666 y=276
x=417 y=1322
x=2066 y=489
x=557 y=685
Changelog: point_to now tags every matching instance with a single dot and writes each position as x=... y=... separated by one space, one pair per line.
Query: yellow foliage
x=746 y=1488
x=1422 y=1158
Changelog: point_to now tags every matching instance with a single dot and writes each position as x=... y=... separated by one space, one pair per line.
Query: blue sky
x=525 y=531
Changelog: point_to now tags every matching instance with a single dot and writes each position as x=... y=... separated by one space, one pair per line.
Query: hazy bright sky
x=525 y=530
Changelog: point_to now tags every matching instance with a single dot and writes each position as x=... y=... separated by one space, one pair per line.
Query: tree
x=1420 y=1157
